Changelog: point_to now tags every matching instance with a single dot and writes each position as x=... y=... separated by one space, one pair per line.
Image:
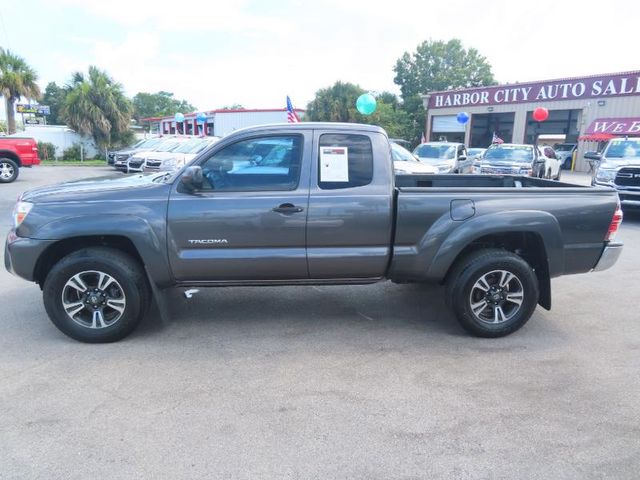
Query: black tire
x=8 y=165
x=130 y=285
x=461 y=288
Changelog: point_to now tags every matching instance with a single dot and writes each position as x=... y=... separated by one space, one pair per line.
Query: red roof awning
x=596 y=137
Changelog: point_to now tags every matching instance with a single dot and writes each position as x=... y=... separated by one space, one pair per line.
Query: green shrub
x=71 y=153
x=46 y=151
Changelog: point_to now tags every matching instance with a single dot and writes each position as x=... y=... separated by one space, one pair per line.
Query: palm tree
x=96 y=105
x=17 y=79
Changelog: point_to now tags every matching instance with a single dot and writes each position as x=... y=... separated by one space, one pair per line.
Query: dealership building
x=219 y=122
x=582 y=110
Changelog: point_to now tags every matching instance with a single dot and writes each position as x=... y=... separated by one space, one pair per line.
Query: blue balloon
x=179 y=117
x=462 y=117
x=201 y=117
x=366 y=104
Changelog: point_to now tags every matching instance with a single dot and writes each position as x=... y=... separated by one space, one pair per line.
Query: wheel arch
x=60 y=249
x=127 y=233
x=11 y=155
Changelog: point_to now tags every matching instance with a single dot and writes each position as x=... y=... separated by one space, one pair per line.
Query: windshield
x=509 y=153
x=438 y=152
x=192 y=146
x=148 y=143
x=401 y=154
x=623 y=149
x=472 y=152
x=167 y=145
x=563 y=147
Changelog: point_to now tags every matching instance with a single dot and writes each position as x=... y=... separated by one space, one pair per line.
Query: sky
x=254 y=53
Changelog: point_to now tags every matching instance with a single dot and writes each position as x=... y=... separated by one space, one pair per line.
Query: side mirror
x=462 y=157
x=192 y=179
x=593 y=155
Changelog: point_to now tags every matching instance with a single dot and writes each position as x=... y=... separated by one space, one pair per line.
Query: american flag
x=292 y=116
x=496 y=139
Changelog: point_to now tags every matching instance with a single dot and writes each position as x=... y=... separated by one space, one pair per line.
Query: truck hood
x=109 y=186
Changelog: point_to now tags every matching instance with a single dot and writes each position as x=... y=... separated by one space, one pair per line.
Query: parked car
x=512 y=159
x=124 y=154
x=332 y=212
x=564 y=151
x=136 y=161
x=618 y=166
x=405 y=163
x=447 y=157
x=178 y=158
x=552 y=165
x=15 y=153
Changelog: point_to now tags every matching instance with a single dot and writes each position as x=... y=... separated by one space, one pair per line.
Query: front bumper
x=21 y=255
x=629 y=196
x=609 y=257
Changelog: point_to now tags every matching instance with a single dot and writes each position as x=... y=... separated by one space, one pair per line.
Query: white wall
x=225 y=123
x=61 y=136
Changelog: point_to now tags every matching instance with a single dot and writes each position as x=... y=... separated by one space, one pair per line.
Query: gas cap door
x=462 y=209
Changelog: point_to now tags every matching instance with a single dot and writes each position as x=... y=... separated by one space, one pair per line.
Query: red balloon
x=540 y=114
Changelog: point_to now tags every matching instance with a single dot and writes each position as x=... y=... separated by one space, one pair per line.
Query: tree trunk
x=11 y=115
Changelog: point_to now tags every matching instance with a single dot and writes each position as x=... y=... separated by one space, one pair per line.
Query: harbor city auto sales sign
x=599 y=86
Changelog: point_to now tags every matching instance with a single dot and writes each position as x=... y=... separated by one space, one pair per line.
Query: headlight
x=20 y=212
x=526 y=171
x=606 y=175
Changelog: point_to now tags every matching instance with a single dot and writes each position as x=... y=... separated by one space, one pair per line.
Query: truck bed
x=438 y=214
x=477 y=181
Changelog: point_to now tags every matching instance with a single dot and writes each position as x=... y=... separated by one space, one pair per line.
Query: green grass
x=73 y=163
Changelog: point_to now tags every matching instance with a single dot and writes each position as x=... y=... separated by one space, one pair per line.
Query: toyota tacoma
x=305 y=204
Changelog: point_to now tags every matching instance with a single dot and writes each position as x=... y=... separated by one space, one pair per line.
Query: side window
x=344 y=161
x=265 y=163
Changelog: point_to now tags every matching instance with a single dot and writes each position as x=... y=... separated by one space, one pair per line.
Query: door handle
x=287 y=208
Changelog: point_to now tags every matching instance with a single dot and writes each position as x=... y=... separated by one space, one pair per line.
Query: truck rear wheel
x=493 y=292
x=96 y=295
x=8 y=170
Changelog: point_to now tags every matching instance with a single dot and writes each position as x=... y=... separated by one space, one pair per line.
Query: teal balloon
x=201 y=117
x=366 y=104
x=179 y=117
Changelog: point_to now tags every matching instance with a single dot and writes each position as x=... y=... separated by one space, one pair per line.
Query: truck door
x=349 y=225
x=248 y=221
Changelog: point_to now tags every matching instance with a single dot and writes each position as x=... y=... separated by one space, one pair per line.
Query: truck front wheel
x=8 y=170
x=493 y=292
x=96 y=295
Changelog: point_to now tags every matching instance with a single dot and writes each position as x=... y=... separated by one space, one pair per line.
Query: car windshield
x=472 y=152
x=563 y=147
x=623 y=149
x=509 y=153
x=148 y=143
x=168 y=145
x=192 y=146
x=438 y=152
x=401 y=154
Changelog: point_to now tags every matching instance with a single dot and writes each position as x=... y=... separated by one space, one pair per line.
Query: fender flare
x=150 y=246
x=541 y=223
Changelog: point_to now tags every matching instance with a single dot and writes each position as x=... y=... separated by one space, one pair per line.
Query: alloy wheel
x=6 y=170
x=93 y=299
x=496 y=297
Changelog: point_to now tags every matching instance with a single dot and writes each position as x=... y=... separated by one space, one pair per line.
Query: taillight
x=616 y=220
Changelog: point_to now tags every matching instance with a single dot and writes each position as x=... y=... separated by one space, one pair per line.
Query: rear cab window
x=344 y=161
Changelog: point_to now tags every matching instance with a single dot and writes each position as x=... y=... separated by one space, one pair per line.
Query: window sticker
x=334 y=164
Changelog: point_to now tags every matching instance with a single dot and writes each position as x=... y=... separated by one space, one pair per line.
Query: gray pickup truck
x=305 y=204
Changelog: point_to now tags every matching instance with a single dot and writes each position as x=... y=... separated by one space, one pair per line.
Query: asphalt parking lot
x=371 y=382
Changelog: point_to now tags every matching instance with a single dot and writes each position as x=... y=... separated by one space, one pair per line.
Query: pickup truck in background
x=305 y=204
x=618 y=166
x=15 y=153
